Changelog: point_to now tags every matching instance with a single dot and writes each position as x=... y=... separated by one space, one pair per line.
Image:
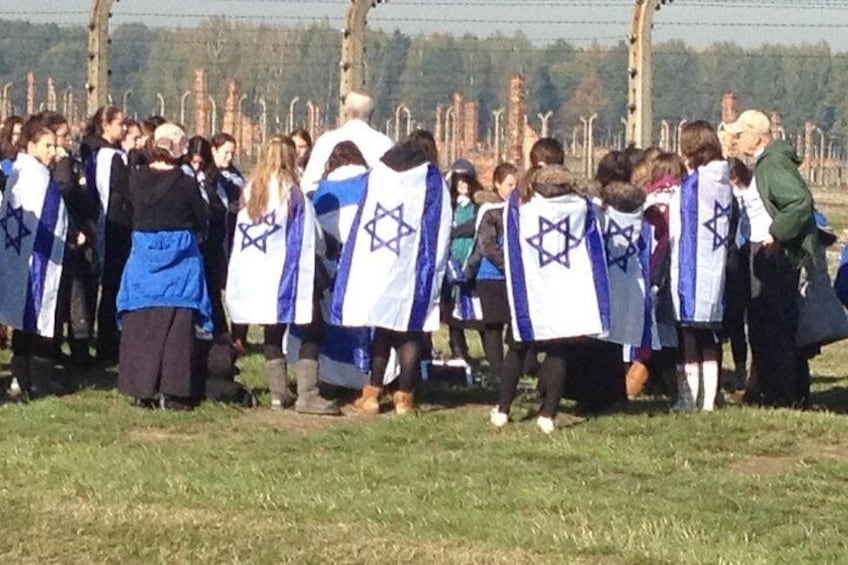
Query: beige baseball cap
x=750 y=120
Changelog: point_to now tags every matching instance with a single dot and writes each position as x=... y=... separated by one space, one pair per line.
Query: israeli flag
x=34 y=226
x=699 y=232
x=627 y=243
x=391 y=270
x=98 y=176
x=556 y=270
x=345 y=354
x=272 y=266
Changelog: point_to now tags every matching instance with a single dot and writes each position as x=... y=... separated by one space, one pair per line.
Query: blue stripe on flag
x=333 y=195
x=516 y=270
x=287 y=294
x=425 y=267
x=90 y=172
x=350 y=346
x=343 y=274
x=688 y=253
x=42 y=249
x=595 y=246
x=645 y=260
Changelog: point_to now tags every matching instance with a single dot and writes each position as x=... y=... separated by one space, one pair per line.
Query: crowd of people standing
x=154 y=249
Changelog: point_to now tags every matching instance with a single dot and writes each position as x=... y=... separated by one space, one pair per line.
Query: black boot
x=80 y=355
x=44 y=381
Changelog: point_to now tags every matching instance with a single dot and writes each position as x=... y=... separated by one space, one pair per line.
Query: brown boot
x=369 y=401
x=404 y=402
x=637 y=378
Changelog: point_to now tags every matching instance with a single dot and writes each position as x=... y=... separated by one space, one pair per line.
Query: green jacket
x=788 y=201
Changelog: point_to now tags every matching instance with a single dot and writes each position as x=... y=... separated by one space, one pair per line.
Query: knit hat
x=462 y=167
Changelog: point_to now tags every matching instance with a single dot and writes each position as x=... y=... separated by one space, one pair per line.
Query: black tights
x=492 y=337
x=408 y=346
x=551 y=374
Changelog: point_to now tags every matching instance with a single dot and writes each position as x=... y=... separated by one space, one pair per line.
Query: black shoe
x=177 y=403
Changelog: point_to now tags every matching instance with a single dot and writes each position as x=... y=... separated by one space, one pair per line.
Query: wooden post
x=31 y=105
x=201 y=103
x=353 y=50
x=98 y=55
x=516 y=112
x=640 y=74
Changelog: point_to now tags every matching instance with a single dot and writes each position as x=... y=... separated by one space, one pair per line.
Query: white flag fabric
x=34 y=226
x=392 y=268
x=555 y=269
x=627 y=245
x=699 y=235
x=271 y=272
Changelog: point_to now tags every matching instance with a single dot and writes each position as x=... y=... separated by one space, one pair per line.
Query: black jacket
x=166 y=201
x=119 y=209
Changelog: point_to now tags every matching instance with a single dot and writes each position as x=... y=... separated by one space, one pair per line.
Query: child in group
x=485 y=266
x=464 y=186
x=551 y=242
x=393 y=264
x=700 y=216
x=667 y=172
x=271 y=273
x=628 y=264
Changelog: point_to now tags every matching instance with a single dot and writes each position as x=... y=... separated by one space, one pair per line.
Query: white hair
x=358 y=105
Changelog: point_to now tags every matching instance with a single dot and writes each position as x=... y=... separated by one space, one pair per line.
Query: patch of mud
x=765 y=465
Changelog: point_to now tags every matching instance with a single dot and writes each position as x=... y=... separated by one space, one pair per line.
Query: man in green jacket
x=782 y=370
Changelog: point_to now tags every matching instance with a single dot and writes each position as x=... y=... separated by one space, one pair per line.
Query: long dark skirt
x=156 y=354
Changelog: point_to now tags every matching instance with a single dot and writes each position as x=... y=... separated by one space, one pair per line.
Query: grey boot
x=20 y=366
x=44 y=381
x=309 y=399
x=275 y=372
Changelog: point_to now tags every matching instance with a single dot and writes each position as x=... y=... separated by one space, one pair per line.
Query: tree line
x=803 y=82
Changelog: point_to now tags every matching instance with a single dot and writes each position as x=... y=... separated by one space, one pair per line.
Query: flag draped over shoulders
x=34 y=224
x=272 y=266
x=627 y=246
x=700 y=215
x=392 y=267
x=555 y=269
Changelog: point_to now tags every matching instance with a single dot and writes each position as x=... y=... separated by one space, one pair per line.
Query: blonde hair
x=276 y=163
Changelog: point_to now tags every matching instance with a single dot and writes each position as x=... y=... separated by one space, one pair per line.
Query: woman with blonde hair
x=272 y=265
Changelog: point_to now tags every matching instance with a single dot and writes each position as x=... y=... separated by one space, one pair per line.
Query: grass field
x=88 y=479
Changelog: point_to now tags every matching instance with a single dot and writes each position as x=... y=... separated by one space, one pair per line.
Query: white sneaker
x=547 y=425
x=498 y=418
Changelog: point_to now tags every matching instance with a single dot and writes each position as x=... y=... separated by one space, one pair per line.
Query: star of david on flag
x=564 y=242
x=719 y=239
x=268 y=224
x=13 y=237
x=625 y=235
x=397 y=230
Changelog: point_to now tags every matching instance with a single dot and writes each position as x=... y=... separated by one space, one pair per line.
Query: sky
x=698 y=22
